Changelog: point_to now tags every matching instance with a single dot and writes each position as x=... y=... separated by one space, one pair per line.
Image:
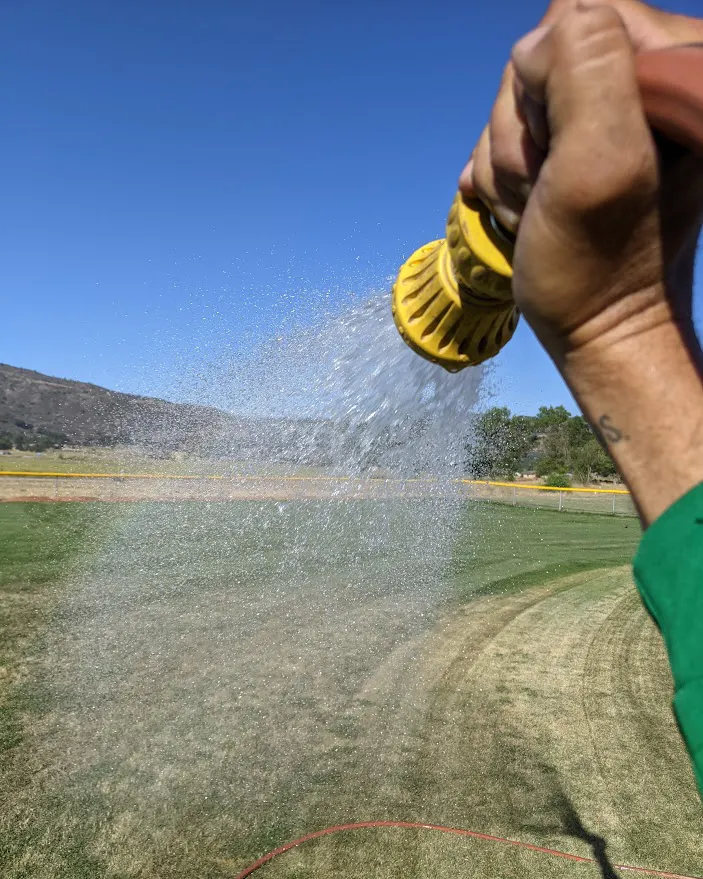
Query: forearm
x=640 y=388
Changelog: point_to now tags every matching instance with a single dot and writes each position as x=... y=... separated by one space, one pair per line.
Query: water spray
x=452 y=300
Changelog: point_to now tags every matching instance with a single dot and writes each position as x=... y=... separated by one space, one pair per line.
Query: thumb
x=583 y=69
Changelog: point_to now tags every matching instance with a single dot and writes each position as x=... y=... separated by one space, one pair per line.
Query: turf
x=189 y=685
x=107 y=460
x=40 y=542
x=504 y=548
x=87 y=461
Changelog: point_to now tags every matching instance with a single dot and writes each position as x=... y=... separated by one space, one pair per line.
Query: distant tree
x=40 y=444
x=531 y=461
x=550 y=415
x=500 y=442
x=578 y=431
x=556 y=446
x=524 y=431
x=544 y=466
x=551 y=443
x=561 y=443
x=54 y=439
x=6 y=441
x=590 y=461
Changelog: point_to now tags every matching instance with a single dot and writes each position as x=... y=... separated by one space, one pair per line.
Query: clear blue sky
x=176 y=172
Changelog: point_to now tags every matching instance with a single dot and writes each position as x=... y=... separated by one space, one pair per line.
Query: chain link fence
x=615 y=502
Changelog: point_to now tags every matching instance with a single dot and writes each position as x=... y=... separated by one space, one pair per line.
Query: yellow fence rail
x=521 y=486
x=532 y=487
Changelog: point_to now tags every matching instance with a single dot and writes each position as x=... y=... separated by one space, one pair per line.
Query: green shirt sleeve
x=669 y=575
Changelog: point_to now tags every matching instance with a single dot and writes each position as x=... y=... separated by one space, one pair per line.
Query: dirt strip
x=290 y=488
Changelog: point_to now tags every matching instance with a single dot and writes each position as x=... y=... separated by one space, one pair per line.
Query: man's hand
x=607 y=221
x=568 y=124
x=508 y=155
x=602 y=226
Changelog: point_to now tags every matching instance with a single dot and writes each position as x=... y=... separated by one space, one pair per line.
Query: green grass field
x=86 y=461
x=128 y=460
x=185 y=686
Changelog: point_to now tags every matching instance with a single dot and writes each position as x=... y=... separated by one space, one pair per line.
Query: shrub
x=558 y=480
x=545 y=466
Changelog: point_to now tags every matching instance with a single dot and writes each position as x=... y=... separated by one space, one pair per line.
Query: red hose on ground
x=458 y=831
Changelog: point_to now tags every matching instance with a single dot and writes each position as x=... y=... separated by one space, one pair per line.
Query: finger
x=592 y=93
x=531 y=58
x=503 y=203
x=649 y=28
x=512 y=150
x=505 y=161
x=584 y=69
x=556 y=9
x=592 y=71
x=466 y=180
x=535 y=116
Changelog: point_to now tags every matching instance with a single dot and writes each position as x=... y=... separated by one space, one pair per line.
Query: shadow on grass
x=573 y=826
x=561 y=817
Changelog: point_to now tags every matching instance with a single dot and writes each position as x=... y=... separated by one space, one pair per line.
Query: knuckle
x=588 y=22
x=593 y=36
x=633 y=171
x=630 y=179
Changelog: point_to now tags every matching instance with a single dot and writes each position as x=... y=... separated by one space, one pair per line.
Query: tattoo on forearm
x=608 y=433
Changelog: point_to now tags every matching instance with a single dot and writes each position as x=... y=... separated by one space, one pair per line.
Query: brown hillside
x=32 y=403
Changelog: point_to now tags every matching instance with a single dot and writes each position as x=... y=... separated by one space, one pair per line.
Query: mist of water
x=225 y=676
x=360 y=398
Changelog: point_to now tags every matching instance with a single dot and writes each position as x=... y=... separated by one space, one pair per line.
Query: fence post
x=514 y=496
x=613 y=504
x=561 y=501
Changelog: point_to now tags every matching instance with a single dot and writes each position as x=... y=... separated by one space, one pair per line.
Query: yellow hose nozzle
x=452 y=300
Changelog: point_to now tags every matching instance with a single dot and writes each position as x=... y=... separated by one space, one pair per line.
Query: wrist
x=643 y=395
x=612 y=332
x=641 y=354
x=623 y=329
